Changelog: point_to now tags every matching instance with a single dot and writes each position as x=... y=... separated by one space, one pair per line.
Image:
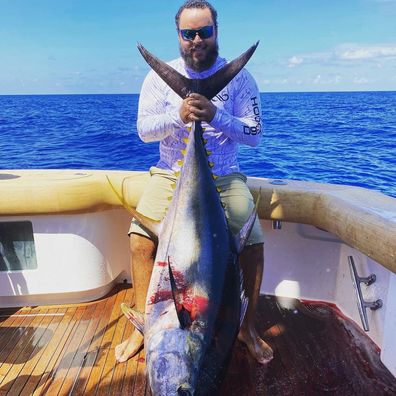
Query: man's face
x=199 y=54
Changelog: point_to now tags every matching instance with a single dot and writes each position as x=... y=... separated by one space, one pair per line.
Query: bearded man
x=231 y=118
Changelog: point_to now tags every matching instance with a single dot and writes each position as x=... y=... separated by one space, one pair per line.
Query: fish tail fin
x=212 y=85
x=183 y=86
x=208 y=87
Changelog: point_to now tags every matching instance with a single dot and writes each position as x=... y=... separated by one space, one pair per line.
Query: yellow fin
x=208 y=153
x=183 y=151
x=205 y=141
x=170 y=198
x=173 y=186
x=180 y=162
x=177 y=173
x=189 y=129
x=211 y=164
x=185 y=140
x=218 y=189
x=215 y=177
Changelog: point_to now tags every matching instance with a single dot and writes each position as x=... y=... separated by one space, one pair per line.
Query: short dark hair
x=196 y=4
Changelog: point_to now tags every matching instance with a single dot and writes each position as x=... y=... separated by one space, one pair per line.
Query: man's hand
x=197 y=108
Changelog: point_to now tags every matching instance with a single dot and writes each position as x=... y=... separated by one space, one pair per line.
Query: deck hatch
x=17 y=250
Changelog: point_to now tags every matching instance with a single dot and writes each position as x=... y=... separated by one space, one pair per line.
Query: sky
x=84 y=46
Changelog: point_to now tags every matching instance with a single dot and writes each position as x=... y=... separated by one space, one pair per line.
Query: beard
x=199 y=65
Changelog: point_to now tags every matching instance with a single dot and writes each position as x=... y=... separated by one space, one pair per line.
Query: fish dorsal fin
x=134 y=316
x=208 y=87
x=183 y=314
x=151 y=226
x=243 y=235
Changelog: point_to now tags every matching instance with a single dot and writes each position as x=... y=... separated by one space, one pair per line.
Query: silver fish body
x=194 y=303
x=196 y=246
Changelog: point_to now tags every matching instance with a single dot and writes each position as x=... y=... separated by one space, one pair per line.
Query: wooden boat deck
x=69 y=350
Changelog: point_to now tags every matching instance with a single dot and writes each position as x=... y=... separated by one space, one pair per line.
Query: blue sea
x=343 y=138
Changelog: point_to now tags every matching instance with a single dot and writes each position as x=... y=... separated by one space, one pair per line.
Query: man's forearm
x=153 y=128
x=242 y=130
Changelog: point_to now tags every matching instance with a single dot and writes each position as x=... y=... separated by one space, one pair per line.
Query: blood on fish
x=161 y=295
x=179 y=278
x=178 y=275
x=195 y=305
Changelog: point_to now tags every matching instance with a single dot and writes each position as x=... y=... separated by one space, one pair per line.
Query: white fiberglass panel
x=388 y=352
x=75 y=253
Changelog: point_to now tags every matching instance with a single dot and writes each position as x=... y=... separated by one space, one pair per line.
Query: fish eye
x=183 y=391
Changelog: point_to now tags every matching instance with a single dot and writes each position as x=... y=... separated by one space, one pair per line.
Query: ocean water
x=343 y=138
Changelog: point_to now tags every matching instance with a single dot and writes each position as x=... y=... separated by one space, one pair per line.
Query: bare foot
x=129 y=347
x=258 y=348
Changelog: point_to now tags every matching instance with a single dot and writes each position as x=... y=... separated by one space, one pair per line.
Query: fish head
x=173 y=357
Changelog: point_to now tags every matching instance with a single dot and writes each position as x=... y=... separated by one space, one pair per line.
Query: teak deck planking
x=69 y=350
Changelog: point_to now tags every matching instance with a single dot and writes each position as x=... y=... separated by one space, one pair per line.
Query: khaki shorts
x=235 y=196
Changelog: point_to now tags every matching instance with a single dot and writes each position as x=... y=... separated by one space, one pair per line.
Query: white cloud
x=329 y=79
x=347 y=66
x=295 y=61
x=360 y=80
x=366 y=52
x=317 y=79
x=345 y=54
x=280 y=81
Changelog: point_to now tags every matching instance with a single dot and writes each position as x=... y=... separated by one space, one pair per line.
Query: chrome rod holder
x=276 y=224
x=361 y=303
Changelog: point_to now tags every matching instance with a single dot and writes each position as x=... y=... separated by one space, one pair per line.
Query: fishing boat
x=328 y=303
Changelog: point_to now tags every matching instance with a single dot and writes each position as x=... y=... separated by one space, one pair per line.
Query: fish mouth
x=184 y=390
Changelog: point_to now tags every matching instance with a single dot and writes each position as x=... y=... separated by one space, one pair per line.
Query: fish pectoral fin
x=244 y=301
x=243 y=235
x=150 y=225
x=183 y=314
x=134 y=316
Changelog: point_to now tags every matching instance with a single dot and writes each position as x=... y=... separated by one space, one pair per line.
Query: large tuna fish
x=195 y=301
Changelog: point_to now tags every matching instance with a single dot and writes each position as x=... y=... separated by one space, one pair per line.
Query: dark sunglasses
x=204 y=33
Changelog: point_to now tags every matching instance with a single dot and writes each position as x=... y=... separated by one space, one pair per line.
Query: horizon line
x=137 y=93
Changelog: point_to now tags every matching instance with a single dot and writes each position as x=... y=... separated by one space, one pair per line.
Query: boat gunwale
x=362 y=218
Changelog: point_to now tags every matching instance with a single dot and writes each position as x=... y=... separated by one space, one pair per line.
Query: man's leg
x=142 y=260
x=252 y=263
x=153 y=204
